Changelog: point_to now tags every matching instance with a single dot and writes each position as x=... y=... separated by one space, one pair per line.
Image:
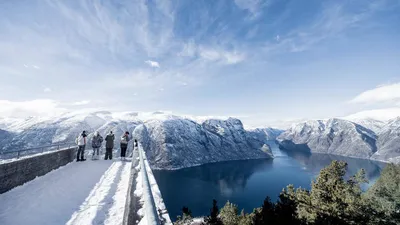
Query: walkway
x=91 y=192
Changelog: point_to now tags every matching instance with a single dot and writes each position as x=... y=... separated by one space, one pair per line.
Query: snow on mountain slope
x=369 y=123
x=177 y=142
x=388 y=142
x=333 y=136
x=267 y=134
x=33 y=132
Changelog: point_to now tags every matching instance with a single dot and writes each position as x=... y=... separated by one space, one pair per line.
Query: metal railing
x=35 y=150
x=149 y=204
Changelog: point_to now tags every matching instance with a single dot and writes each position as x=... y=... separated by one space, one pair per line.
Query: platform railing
x=35 y=150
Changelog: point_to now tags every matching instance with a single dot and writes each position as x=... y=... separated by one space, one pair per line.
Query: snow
x=91 y=192
x=155 y=191
x=106 y=202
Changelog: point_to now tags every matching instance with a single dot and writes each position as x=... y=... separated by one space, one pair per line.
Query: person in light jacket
x=124 y=144
x=97 y=140
x=81 y=142
x=109 y=145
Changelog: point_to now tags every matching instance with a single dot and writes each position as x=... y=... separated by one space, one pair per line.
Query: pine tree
x=286 y=206
x=186 y=218
x=229 y=214
x=384 y=195
x=266 y=214
x=213 y=218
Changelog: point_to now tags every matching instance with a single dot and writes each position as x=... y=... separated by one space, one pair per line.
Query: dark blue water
x=247 y=183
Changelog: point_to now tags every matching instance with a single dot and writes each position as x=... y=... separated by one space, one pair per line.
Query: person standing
x=97 y=140
x=109 y=145
x=124 y=144
x=81 y=142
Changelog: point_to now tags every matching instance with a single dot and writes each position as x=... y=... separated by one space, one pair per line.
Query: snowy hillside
x=333 y=136
x=388 y=142
x=32 y=132
x=177 y=143
x=172 y=142
x=369 y=123
x=267 y=134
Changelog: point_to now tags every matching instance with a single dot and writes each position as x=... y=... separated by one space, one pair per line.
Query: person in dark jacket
x=81 y=142
x=97 y=140
x=124 y=144
x=109 y=145
x=136 y=144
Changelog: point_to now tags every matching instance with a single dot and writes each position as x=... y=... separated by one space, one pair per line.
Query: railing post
x=149 y=204
x=18 y=154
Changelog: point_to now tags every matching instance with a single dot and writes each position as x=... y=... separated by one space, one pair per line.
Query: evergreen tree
x=384 y=195
x=245 y=219
x=332 y=199
x=229 y=214
x=213 y=218
x=266 y=214
x=186 y=218
x=286 y=206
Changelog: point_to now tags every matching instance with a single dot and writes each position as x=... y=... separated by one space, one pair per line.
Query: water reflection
x=315 y=162
x=247 y=183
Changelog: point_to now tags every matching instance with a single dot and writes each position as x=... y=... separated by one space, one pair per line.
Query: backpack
x=80 y=140
x=124 y=140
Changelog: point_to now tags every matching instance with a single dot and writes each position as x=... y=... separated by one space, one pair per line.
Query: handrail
x=42 y=148
x=149 y=204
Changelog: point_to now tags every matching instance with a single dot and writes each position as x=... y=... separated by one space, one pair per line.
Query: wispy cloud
x=47 y=89
x=153 y=63
x=83 y=102
x=381 y=94
x=38 y=107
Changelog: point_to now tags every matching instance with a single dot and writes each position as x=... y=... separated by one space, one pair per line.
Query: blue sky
x=259 y=60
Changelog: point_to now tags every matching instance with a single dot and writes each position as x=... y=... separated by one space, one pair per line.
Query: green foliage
x=229 y=214
x=384 y=195
x=245 y=219
x=332 y=200
x=213 y=218
x=186 y=217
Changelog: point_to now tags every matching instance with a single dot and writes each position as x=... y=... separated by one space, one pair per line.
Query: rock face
x=388 y=142
x=334 y=136
x=177 y=143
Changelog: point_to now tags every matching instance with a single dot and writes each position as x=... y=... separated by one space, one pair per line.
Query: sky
x=263 y=61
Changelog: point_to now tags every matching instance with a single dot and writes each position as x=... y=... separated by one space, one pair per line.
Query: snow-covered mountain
x=177 y=143
x=388 y=142
x=333 y=136
x=267 y=134
x=370 y=123
x=172 y=142
x=33 y=132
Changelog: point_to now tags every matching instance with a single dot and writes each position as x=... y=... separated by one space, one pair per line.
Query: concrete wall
x=18 y=172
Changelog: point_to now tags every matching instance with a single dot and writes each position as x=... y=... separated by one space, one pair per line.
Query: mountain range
x=346 y=138
x=173 y=142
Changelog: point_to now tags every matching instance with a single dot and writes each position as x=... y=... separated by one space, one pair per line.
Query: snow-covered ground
x=91 y=192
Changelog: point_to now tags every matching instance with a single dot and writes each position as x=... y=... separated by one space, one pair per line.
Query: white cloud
x=378 y=114
x=38 y=107
x=161 y=89
x=153 y=63
x=35 y=67
x=223 y=56
x=381 y=94
x=277 y=38
x=47 y=90
x=84 y=102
